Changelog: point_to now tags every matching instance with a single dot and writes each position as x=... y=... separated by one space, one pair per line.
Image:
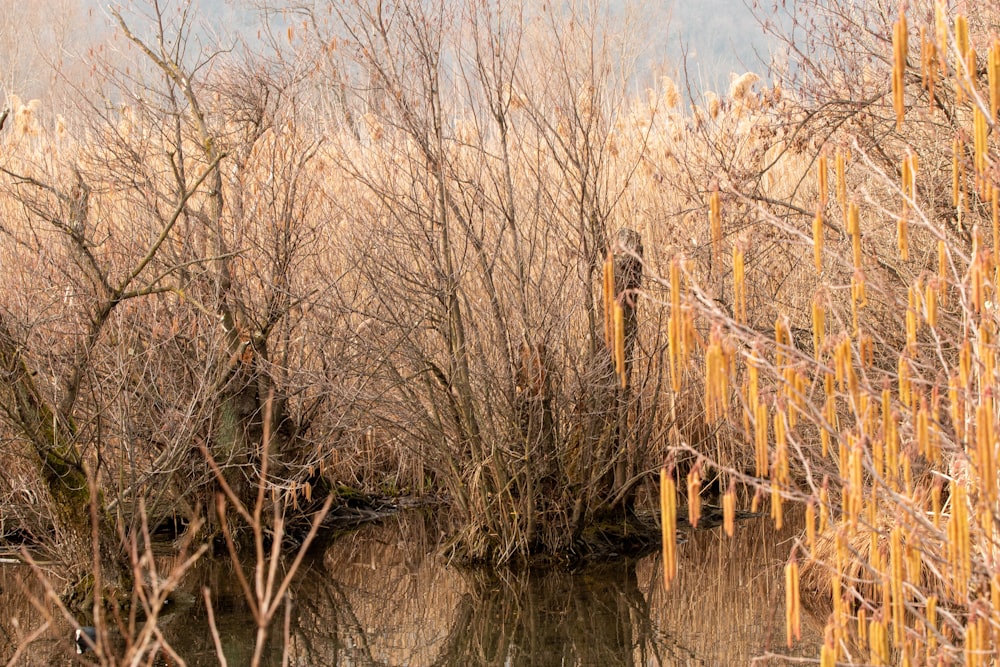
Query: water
x=380 y=596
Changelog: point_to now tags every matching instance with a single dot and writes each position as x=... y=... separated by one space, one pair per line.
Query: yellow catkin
x=716 y=380
x=787 y=391
x=777 y=507
x=850 y=375
x=985 y=519
x=673 y=349
x=892 y=451
x=782 y=339
x=911 y=317
x=930 y=613
x=941 y=32
x=903 y=237
x=836 y=595
x=980 y=135
x=928 y=64
x=842 y=360
x=964 y=363
x=694 y=497
x=956 y=404
x=905 y=384
x=829 y=413
x=760 y=440
x=793 y=625
x=908 y=472
x=781 y=476
x=824 y=508
x=729 y=510
x=859 y=298
x=923 y=429
x=909 y=169
x=985 y=442
x=609 y=299
x=840 y=169
x=853 y=493
x=811 y=527
x=993 y=76
x=874 y=537
x=956 y=173
x=878 y=642
x=914 y=561
x=866 y=350
x=899 y=48
x=878 y=443
x=854 y=229
x=818 y=240
x=781 y=447
x=896 y=581
x=995 y=596
x=976 y=638
x=829 y=653
x=958 y=541
x=930 y=303
x=976 y=284
x=933 y=430
x=620 y=367
x=961 y=45
x=986 y=351
x=995 y=211
x=715 y=220
x=668 y=519
x=675 y=285
x=739 y=287
x=799 y=394
x=936 y=503
x=822 y=174
x=674 y=325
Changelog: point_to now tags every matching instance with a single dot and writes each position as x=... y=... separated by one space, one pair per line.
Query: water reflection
x=379 y=596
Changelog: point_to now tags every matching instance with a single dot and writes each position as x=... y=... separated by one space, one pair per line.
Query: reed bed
x=426 y=274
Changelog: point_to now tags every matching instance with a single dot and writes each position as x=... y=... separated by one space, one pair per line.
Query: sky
x=704 y=40
x=716 y=36
x=719 y=37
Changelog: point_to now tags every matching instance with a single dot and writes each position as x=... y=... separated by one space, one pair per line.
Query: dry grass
x=817 y=321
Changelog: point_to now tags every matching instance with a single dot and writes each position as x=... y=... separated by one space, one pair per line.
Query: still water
x=381 y=596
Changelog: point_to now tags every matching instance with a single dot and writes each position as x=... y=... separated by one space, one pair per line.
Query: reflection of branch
x=349 y=631
x=458 y=636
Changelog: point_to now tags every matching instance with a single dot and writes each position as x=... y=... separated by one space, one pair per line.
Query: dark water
x=380 y=596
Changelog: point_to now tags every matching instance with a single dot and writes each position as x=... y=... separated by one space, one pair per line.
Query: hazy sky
x=720 y=37
x=717 y=36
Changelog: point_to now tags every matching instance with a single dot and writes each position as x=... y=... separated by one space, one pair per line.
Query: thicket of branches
x=854 y=348
x=387 y=231
x=443 y=248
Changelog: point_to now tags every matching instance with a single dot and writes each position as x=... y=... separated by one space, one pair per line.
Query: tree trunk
x=51 y=435
x=628 y=280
